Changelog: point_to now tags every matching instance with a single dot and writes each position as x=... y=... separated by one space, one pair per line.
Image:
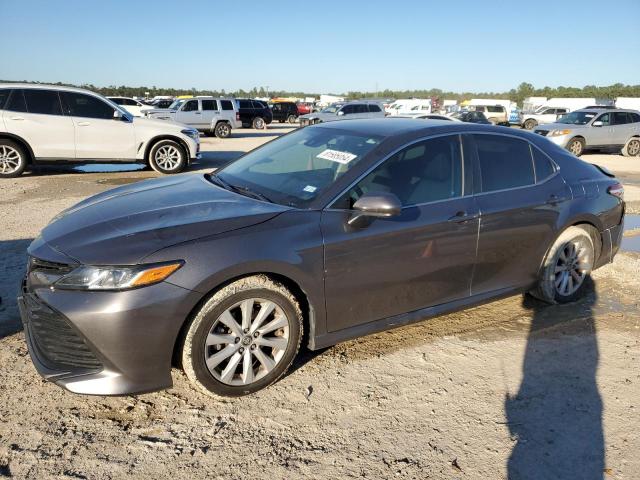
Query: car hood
x=156 y=122
x=559 y=126
x=124 y=225
x=322 y=116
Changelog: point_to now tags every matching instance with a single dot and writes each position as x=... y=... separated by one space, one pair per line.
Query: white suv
x=217 y=116
x=50 y=124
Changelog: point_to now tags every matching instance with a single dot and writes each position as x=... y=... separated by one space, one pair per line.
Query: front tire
x=258 y=123
x=13 y=159
x=567 y=267
x=576 y=146
x=530 y=124
x=168 y=157
x=244 y=338
x=632 y=148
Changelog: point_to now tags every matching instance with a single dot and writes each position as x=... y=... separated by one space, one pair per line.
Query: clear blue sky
x=322 y=46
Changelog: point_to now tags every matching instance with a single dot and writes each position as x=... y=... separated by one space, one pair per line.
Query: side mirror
x=340 y=113
x=117 y=115
x=375 y=204
x=597 y=124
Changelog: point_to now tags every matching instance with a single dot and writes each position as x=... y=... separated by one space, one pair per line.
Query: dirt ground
x=514 y=389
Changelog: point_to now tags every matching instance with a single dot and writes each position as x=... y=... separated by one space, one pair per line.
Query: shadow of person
x=556 y=416
x=13 y=259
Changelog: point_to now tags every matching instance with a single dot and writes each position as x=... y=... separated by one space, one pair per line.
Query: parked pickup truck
x=216 y=116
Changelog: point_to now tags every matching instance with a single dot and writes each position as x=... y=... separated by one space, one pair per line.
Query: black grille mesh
x=59 y=345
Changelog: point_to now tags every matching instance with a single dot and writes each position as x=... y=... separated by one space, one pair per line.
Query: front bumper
x=105 y=343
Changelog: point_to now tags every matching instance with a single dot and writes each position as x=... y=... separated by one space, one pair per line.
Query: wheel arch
x=152 y=141
x=591 y=224
x=23 y=143
x=289 y=283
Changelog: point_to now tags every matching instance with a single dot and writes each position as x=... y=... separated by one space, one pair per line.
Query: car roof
x=389 y=127
x=45 y=86
x=605 y=110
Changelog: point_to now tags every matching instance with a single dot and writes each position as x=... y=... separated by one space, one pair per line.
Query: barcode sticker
x=336 y=156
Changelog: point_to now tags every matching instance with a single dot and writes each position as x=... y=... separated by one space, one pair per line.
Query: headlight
x=557 y=133
x=190 y=132
x=116 y=278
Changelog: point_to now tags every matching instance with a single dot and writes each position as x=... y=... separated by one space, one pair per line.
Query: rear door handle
x=17 y=118
x=463 y=216
x=554 y=199
x=83 y=124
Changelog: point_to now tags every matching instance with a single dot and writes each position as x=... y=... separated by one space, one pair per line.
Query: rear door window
x=374 y=108
x=44 y=102
x=87 y=106
x=209 y=105
x=505 y=162
x=620 y=118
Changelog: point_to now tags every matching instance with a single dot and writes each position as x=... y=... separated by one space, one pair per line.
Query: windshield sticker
x=336 y=156
x=310 y=188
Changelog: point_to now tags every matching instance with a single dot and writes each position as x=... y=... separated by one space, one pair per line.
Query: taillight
x=617 y=190
x=237 y=116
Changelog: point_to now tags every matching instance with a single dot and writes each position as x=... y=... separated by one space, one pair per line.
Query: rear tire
x=530 y=124
x=223 y=324
x=13 y=159
x=567 y=267
x=223 y=130
x=258 y=123
x=632 y=148
x=292 y=119
x=167 y=157
x=576 y=146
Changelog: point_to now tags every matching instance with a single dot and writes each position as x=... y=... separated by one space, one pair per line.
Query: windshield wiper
x=247 y=192
x=250 y=193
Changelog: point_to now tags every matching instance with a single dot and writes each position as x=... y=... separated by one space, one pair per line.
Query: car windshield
x=296 y=168
x=332 y=108
x=577 y=118
x=176 y=105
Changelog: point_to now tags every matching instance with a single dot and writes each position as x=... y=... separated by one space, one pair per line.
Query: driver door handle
x=17 y=118
x=463 y=216
x=83 y=124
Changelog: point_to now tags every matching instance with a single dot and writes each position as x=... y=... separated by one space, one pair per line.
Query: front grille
x=542 y=132
x=59 y=346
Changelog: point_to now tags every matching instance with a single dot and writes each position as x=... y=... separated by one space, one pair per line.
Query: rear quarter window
x=226 y=104
x=544 y=167
x=4 y=96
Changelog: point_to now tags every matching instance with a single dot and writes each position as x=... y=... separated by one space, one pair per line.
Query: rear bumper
x=112 y=343
x=611 y=240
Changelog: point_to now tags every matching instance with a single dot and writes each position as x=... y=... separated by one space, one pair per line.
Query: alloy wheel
x=572 y=267
x=633 y=148
x=10 y=159
x=167 y=157
x=575 y=147
x=258 y=123
x=246 y=341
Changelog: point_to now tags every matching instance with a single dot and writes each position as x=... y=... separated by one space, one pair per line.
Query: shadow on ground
x=13 y=260
x=556 y=416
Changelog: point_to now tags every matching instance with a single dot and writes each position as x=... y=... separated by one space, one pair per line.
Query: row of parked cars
x=47 y=124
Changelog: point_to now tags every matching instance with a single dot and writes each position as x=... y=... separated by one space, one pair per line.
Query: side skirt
x=331 y=338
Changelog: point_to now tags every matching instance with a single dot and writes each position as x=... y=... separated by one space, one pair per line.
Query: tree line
x=515 y=94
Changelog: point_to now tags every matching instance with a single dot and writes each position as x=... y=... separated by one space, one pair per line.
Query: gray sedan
x=326 y=234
